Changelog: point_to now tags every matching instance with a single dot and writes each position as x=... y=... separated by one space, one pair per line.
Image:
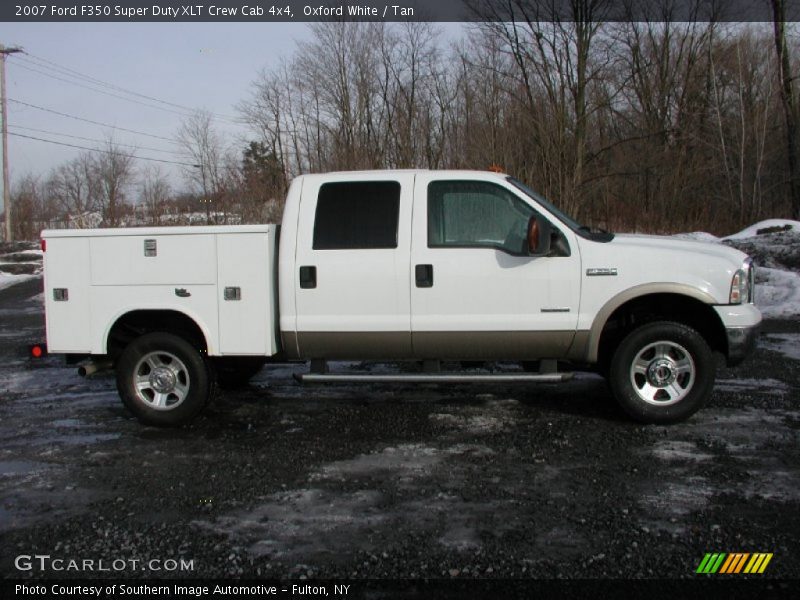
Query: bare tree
x=269 y=113
x=658 y=126
x=203 y=147
x=658 y=107
x=155 y=192
x=552 y=54
x=72 y=186
x=31 y=207
x=112 y=171
x=789 y=102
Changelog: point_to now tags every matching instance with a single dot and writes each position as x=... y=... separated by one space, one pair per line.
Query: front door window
x=470 y=214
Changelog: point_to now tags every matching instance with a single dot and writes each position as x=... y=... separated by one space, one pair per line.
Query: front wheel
x=662 y=372
x=163 y=380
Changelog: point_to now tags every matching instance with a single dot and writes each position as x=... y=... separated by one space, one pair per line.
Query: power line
x=61 y=114
x=63 y=70
x=72 y=72
x=113 y=95
x=86 y=139
x=171 y=162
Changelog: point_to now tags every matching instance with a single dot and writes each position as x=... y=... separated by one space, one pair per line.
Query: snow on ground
x=777 y=292
x=7 y=280
x=765 y=227
x=787 y=344
x=774 y=245
x=768 y=386
x=19 y=261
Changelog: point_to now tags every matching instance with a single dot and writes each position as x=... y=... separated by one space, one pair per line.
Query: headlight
x=742 y=286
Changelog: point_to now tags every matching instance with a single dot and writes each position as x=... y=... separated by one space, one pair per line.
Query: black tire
x=234 y=372
x=178 y=363
x=662 y=372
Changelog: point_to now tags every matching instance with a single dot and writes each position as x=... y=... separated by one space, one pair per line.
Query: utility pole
x=4 y=110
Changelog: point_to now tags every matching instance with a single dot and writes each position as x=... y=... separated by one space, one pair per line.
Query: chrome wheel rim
x=663 y=373
x=161 y=380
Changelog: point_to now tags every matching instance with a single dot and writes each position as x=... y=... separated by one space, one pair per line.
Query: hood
x=672 y=244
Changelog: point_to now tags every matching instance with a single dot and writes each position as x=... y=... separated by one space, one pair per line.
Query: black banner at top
x=396 y=10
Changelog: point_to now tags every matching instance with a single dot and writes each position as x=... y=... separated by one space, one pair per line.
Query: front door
x=352 y=266
x=475 y=293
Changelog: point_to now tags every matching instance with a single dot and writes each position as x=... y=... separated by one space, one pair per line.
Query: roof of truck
x=374 y=172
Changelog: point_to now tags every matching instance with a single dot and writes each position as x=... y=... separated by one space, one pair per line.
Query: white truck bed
x=109 y=272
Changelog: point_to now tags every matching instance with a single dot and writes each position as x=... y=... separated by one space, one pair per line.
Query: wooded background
x=631 y=126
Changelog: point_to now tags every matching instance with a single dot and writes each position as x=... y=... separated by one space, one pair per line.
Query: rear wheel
x=163 y=380
x=662 y=372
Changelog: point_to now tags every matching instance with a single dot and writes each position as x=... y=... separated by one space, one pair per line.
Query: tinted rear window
x=357 y=215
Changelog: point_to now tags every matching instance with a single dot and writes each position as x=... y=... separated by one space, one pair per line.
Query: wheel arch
x=675 y=302
x=133 y=323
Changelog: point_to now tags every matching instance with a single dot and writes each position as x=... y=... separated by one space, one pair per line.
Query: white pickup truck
x=425 y=266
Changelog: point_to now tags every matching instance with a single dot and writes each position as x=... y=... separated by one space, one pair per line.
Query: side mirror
x=539 y=236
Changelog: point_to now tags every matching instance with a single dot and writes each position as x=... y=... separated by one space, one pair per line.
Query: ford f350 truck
x=425 y=266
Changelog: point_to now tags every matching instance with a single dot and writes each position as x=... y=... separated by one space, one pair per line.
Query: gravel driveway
x=385 y=481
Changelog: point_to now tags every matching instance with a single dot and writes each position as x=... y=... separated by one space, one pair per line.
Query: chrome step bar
x=433 y=378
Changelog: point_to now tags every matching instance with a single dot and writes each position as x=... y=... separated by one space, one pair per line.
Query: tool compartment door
x=245 y=293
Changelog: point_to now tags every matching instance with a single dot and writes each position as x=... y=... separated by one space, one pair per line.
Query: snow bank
x=7 y=280
x=787 y=344
x=777 y=292
x=19 y=261
x=774 y=245
x=766 y=227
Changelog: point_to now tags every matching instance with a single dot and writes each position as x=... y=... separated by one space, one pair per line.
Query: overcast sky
x=203 y=65
x=200 y=65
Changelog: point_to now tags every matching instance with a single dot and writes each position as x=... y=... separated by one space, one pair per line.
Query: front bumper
x=742 y=323
x=741 y=343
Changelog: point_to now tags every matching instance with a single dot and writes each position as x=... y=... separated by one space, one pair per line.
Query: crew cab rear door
x=352 y=266
x=476 y=293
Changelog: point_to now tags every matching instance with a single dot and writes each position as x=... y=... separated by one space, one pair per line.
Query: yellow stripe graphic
x=765 y=563
x=752 y=566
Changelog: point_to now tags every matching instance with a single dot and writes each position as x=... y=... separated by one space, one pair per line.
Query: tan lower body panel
x=579 y=350
x=491 y=345
x=461 y=345
x=354 y=344
x=289 y=344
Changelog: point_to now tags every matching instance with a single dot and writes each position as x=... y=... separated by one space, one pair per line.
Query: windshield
x=565 y=218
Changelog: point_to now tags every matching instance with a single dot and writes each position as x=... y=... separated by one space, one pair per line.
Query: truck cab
x=425 y=265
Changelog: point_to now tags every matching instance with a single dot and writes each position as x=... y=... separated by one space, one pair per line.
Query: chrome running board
x=434 y=378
